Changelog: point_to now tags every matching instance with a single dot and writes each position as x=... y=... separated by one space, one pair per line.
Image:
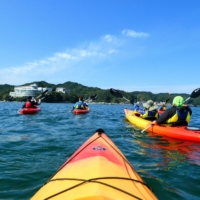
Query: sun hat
x=178 y=101
x=138 y=103
x=150 y=105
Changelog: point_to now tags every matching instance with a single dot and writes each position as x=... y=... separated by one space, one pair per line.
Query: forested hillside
x=103 y=95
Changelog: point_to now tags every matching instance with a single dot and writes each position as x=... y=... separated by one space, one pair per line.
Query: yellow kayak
x=178 y=132
x=98 y=170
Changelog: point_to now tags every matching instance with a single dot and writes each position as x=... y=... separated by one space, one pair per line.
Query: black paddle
x=195 y=94
x=93 y=97
x=117 y=94
x=167 y=99
x=41 y=94
x=46 y=94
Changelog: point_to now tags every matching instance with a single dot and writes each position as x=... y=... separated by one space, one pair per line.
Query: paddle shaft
x=125 y=99
x=41 y=94
x=146 y=128
x=187 y=99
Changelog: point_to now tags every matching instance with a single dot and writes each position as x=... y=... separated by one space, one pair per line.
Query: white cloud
x=63 y=65
x=132 y=33
x=109 y=38
x=60 y=62
x=65 y=56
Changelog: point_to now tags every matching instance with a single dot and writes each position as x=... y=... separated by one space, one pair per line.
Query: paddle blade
x=115 y=93
x=167 y=100
x=93 y=97
x=195 y=93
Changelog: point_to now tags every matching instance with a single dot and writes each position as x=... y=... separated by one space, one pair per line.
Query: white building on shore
x=63 y=90
x=30 y=90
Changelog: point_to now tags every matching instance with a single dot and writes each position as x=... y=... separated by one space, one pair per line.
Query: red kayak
x=81 y=111
x=161 y=112
x=25 y=111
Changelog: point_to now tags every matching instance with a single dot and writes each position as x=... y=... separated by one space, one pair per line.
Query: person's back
x=150 y=109
x=31 y=103
x=136 y=107
x=34 y=103
x=163 y=107
x=177 y=115
x=80 y=104
x=27 y=104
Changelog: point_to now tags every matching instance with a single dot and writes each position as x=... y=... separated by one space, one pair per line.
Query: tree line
x=77 y=90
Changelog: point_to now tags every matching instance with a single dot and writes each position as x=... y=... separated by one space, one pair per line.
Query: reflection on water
x=170 y=162
x=172 y=151
x=32 y=148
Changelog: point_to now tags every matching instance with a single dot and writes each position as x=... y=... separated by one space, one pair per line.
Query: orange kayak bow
x=96 y=171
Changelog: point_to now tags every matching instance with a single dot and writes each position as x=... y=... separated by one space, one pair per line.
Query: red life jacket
x=28 y=104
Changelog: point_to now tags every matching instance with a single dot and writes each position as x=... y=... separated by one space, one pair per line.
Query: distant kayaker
x=163 y=107
x=80 y=104
x=31 y=102
x=178 y=115
x=150 y=111
x=136 y=106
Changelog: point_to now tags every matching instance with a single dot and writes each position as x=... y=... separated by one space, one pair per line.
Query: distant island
x=70 y=91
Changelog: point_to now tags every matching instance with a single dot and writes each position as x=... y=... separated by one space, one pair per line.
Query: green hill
x=103 y=95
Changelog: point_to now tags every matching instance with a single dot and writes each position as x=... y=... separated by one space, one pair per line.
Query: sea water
x=33 y=147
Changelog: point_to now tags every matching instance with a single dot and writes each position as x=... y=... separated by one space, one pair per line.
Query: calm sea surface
x=33 y=147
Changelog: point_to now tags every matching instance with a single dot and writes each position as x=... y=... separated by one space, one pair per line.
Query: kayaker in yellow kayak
x=150 y=111
x=136 y=106
x=178 y=115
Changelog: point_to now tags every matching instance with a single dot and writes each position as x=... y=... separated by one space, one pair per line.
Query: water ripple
x=33 y=147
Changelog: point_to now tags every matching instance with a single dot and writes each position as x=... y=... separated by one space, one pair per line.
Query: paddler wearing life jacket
x=80 y=104
x=163 y=107
x=136 y=106
x=31 y=102
x=178 y=115
x=150 y=111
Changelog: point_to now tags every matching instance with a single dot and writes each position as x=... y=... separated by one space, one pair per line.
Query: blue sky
x=131 y=45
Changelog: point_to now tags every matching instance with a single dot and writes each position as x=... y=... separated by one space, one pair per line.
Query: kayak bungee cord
x=124 y=159
x=93 y=180
x=96 y=180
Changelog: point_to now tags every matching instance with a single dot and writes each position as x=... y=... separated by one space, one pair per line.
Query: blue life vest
x=150 y=114
x=80 y=105
x=136 y=107
x=180 y=115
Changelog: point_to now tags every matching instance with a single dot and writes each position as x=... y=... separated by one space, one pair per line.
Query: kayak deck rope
x=95 y=180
